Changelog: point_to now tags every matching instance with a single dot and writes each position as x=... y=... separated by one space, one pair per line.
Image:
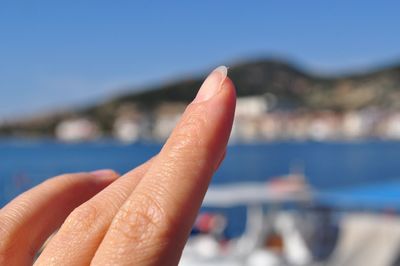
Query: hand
x=141 y=218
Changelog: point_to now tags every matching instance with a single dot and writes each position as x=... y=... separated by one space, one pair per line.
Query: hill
x=292 y=87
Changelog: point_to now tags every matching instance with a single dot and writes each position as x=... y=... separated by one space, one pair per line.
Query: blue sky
x=54 y=54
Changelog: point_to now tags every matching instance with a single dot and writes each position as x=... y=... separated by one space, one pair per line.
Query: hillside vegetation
x=292 y=88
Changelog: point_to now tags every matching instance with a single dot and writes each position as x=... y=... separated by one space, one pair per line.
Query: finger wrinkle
x=82 y=218
x=143 y=219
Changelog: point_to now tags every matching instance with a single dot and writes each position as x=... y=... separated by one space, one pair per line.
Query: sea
x=363 y=174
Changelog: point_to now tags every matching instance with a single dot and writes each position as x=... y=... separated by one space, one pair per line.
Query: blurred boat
x=262 y=243
x=276 y=235
x=284 y=189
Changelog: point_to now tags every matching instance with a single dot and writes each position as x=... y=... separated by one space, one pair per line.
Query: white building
x=78 y=129
x=127 y=130
x=166 y=118
x=352 y=125
x=392 y=129
x=251 y=106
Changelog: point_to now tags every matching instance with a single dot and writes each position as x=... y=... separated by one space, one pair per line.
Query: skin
x=141 y=218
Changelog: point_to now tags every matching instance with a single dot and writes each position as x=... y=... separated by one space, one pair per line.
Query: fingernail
x=212 y=85
x=104 y=173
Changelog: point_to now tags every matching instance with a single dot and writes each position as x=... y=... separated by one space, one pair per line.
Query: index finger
x=152 y=226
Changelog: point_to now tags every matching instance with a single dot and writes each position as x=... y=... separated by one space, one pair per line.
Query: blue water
x=362 y=175
x=333 y=168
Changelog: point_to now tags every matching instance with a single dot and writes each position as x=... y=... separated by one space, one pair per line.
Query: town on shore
x=254 y=122
x=276 y=101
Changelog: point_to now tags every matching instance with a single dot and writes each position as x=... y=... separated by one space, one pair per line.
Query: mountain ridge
x=293 y=88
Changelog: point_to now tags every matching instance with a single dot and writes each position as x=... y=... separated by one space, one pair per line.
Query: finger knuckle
x=194 y=123
x=189 y=133
x=82 y=218
x=144 y=220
